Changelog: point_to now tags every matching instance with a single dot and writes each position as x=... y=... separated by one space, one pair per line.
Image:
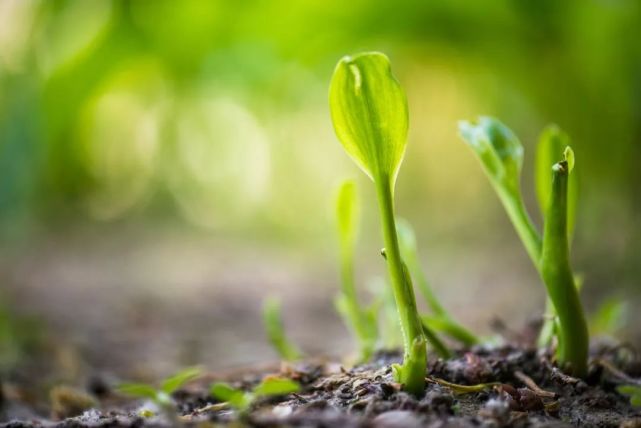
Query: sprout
x=440 y=320
x=501 y=156
x=557 y=273
x=271 y=386
x=553 y=143
x=632 y=391
x=275 y=331
x=610 y=317
x=361 y=321
x=161 y=396
x=369 y=112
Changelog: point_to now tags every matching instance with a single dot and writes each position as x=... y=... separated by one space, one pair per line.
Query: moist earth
x=512 y=387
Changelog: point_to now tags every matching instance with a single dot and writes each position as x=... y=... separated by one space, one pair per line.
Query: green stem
x=558 y=278
x=525 y=228
x=529 y=235
x=412 y=373
x=356 y=317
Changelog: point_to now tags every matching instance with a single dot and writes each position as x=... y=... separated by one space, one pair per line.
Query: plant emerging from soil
x=360 y=320
x=241 y=400
x=161 y=395
x=501 y=156
x=370 y=116
x=275 y=331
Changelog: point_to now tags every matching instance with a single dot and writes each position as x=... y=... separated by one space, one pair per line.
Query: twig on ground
x=462 y=389
x=529 y=382
x=617 y=372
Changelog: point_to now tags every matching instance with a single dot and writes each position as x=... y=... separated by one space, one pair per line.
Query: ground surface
x=522 y=388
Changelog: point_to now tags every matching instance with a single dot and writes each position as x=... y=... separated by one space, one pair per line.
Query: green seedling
x=501 y=156
x=552 y=143
x=242 y=400
x=439 y=320
x=632 y=391
x=610 y=317
x=557 y=273
x=370 y=116
x=360 y=320
x=161 y=395
x=275 y=331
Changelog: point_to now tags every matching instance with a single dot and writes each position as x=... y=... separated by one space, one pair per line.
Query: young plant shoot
x=632 y=391
x=572 y=351
x=501 y=156
x=361 y=321
x=275 y=331
x=370 y=116
x=552 y=143
x=440 y=320
x=161 y=396
x=241 y=400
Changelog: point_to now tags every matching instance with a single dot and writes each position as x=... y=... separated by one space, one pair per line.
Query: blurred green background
x=165 y=164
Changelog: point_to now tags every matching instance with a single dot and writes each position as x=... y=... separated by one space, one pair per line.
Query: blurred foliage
x=215 y=112
x=20 y=337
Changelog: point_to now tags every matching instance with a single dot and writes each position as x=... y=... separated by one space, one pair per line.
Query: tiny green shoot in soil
x=501 y=156
x=161 y=395
x=557 y=274
x=552 y=143
x=359 y=319
x=275 y=331
x=632 y=391
x=242 y=400
x=370 y=116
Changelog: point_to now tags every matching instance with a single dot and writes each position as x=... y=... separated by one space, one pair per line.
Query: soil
x=519 y=387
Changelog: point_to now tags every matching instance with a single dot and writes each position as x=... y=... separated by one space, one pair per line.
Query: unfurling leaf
x=498 y=149
x=369 y=112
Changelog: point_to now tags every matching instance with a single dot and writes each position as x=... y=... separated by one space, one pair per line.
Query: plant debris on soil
x=483 y=387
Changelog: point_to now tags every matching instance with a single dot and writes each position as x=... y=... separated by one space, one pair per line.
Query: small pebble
x=397 y=419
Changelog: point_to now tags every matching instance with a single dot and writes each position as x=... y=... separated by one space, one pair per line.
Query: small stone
x=397 y=419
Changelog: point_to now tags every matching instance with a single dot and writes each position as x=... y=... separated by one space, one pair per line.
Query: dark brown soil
x=523 y=390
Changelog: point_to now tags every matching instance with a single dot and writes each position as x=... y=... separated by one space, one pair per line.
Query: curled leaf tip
x=568 y=156
x=496 y=146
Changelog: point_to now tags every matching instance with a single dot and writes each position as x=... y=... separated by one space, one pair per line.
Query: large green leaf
x=369 y=111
